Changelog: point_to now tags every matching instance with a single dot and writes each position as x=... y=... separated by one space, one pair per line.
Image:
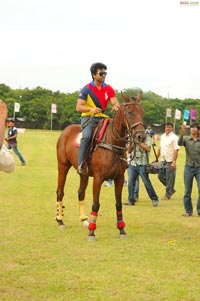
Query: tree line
x=35 y=107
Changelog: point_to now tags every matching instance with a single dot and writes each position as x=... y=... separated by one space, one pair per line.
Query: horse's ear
x=124 y=97
x=139 y=96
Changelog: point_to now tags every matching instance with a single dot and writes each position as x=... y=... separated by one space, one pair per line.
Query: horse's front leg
x=118 y=197
x=95 y=208
x=81 y=197
x=62 y=173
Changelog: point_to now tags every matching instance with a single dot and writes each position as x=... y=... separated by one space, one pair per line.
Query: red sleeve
x=111 y=91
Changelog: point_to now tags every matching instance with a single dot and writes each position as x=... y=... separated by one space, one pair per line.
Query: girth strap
x=111 y=147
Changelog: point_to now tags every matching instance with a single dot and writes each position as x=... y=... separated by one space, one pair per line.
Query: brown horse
x=106 y=161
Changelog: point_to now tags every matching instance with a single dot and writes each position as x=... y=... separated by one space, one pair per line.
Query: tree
x=35 y=106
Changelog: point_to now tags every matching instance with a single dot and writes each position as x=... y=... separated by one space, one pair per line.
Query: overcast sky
x=150 y=44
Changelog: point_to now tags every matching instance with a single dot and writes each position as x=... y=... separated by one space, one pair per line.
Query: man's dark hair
x=168 y=124
x=96 y=66
x=195 y=125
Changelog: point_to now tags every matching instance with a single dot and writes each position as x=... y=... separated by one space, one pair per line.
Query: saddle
x=97 y=136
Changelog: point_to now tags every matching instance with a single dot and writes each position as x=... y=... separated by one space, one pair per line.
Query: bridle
x=130 y=137
x=131 y=132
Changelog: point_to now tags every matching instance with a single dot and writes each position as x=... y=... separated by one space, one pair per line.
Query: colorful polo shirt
x=95 y=97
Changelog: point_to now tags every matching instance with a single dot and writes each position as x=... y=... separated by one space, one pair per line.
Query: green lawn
x=159 y=261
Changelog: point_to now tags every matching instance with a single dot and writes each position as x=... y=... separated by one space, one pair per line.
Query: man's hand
x=115 y=108
x=155 y=161
x=96 y=110
x=129 y=159
x=173 y=165
x=183 y=128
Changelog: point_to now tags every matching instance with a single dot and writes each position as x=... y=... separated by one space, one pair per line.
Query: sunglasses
x=102 y=73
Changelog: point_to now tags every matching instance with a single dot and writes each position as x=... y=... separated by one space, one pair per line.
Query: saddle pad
x=77 y=139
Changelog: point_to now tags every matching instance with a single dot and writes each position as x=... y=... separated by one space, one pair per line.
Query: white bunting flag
x=177 y=114
x=53 y=108
x=17 y=107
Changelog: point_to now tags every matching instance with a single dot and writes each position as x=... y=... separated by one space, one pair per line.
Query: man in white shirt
x=168 y=151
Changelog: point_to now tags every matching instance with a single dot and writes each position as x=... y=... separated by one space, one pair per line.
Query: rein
x=87 y=122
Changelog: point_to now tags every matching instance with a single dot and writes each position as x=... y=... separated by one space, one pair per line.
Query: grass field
x=160 y=260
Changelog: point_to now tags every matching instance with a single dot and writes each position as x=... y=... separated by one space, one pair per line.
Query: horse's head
x=133 y=117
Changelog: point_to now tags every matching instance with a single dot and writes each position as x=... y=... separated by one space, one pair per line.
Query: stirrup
x=83 y=168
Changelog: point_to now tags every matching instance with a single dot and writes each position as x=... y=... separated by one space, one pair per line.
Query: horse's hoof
x=123 y=236
x=61 y=227
x=91 y=238
x=85 y=224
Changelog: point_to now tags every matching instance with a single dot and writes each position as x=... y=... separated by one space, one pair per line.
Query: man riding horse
x=108 y=160
x=92 y=101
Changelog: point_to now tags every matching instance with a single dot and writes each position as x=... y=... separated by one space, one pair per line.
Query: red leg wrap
x=121 y=224
x=92 y=226
x=94 y=213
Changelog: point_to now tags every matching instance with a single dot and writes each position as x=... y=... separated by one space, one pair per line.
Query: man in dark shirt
x=192 y=166
x=12 y=141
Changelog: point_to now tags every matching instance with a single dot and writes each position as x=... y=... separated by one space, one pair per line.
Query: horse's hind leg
x=81 y=196
x=62 y=173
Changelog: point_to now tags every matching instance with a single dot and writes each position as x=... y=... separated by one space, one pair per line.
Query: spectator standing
x=12 y=141
x=149 y=131
x=192 y=166
x=138 y=167
x=168 y=151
